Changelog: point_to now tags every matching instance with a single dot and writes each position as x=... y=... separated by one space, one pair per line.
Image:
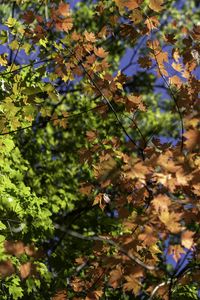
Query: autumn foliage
x=100 y=190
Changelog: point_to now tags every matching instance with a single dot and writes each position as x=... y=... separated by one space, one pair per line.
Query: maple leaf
x=171 y=220
x=152 y=23
x=14 y=247
x=91 y=135
x=63 y=9
x=95 y=295
x=175 y=80
x=148 y=237
x=136 y=16
x=161 y=203
x=100 y=52
x=187 y=239
x=176 y=251
x=193 y=138
x=86 y=189
x=177 y=67
x=133 y=284
x=162 y=57
x=135 y=102
x=156 y=5
x=6 y=269
x=131 y=4
x=115 y=277
x=138 y=171
x=90 y=37
x=64 y=25
x=25 y=270
x=145 y=62
x=28 y=17
x=60 y=295
x=182 y=178
x=77 y=284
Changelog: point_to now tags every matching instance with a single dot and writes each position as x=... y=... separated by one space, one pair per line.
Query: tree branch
x=110 y=242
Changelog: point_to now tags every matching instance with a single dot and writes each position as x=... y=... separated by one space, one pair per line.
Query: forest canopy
x=99 y=149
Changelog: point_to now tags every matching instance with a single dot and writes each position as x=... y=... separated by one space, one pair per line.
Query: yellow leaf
x=11 y=22
x=3 y=60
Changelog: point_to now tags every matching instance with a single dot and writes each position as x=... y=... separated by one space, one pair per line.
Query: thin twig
x=169 y=89
x=156 y=289
x=52 y=119
x=112 y=243
x=133 y=55
x=106 y=100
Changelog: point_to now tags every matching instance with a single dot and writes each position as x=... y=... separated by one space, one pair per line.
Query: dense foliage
x=99 y=136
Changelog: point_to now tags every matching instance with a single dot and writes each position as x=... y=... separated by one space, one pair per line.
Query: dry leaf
x=187 y=239
x=156 y=5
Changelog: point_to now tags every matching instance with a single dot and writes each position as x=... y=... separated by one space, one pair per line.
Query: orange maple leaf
x=64 y=25
x=63 y=9
x=100 y=52
x=90 y=37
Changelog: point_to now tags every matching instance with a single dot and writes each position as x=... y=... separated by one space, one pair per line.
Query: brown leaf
x=131 y=4
x=193 y=138
x=145 y=62
x=187 y=239
x=91 y=135
x=6 y=269
x=156 y=5
x=148 y=237
x=175 y=80
x=90 y=37
x=132 y=284
x=14 y=247
x=25 y=270
x=135 y=102
x=28 y=17
x=136 y=16
x=115 y=277
x=152 y=23
x=63 y=9
x=161 y=203
x=64 y=25
x=60 y=295
x=95 y=295
x=176 y=251
x=100 y=52
x=171 y=220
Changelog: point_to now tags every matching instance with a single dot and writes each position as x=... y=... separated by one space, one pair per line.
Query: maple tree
x=100 y=164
